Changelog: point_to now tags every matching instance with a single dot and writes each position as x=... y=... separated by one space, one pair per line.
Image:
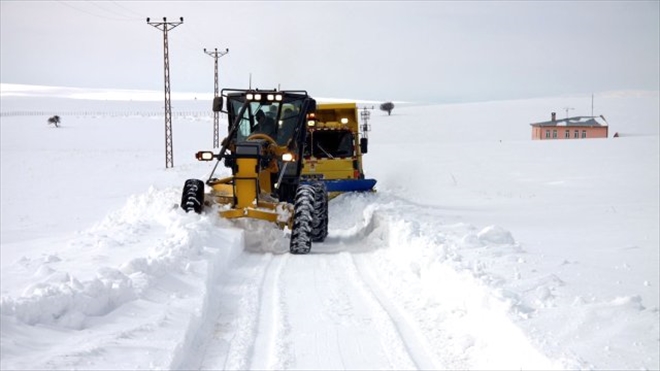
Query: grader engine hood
x=258 y=149
x=250 y=149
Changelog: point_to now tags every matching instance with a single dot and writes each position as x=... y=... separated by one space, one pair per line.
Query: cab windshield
x=330 y=144
x=276 y=119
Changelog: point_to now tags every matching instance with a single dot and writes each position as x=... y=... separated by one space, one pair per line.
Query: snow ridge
x=422 y=260
x=175 y=258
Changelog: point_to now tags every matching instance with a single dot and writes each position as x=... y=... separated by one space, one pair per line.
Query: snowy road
x=309 y=312
x=305 y=313
x=321 y=310
x=338 y=307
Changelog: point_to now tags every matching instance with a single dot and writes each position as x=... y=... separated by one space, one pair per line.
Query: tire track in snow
x=264 y=348
x=232 y=331
x=415 y=342
x=334 y=321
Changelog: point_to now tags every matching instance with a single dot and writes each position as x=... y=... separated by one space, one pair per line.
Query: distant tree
x=55 y=120
x=387 y=106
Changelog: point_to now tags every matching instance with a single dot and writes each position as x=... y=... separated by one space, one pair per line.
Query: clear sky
x=434 y=51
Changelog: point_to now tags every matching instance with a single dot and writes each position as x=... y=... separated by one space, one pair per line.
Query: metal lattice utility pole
x=365 y=115
x=165 y=27
x=216 y=115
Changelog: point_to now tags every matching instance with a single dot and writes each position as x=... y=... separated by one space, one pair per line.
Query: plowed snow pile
x=481 y=249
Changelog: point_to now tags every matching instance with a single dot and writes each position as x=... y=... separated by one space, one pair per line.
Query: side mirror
x=312 y=106
x=217 y=104
x=363 y=145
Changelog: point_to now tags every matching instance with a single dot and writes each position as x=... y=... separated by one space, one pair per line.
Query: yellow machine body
x=264 y=148
x=345 y=164
x=333 y=150
x=247 y=195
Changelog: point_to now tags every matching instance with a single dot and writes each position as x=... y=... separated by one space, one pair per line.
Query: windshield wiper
x=324 y=151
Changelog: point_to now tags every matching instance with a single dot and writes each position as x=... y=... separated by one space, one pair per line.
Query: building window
x=554 y=134
x=577 y=134
x=547 y=134
x=568 y=134
x=584 y=133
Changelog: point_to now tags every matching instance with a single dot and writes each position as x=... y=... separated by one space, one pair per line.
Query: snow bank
x=169 y=259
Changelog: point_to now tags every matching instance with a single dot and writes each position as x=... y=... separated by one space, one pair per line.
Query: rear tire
x=303 y=214
x=192 y=197
x=320 y=220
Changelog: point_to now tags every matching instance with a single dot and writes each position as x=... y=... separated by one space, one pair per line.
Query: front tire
x=320 y=220
x=192 y=197
x=303 y=214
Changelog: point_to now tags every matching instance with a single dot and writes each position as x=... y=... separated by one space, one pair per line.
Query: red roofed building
x=579 y=127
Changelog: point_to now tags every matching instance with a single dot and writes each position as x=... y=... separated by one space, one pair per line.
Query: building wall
x=539 y=133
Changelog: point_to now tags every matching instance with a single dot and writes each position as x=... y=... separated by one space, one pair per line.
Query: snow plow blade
x=350 y=185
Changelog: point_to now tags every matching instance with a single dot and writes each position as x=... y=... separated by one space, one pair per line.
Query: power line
x=194 y=35
x=96 y=4
x=92 y=14
x=129 y=9
x=166 y=26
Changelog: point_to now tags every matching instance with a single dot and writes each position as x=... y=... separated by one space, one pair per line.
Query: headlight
x=257 y=97
x=344 y=120
x=270 y=97
x=287 y=157
x=311 y=123
x=205 y=156
x=249 y=96
x=278 y=97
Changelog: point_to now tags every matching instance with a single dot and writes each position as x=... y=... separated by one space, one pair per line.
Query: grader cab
x=264 y=149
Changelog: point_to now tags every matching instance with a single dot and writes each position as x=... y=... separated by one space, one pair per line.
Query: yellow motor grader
x=335 y=144
x=264 y=150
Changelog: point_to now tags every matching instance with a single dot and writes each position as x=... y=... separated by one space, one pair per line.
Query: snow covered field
x=482 y=249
